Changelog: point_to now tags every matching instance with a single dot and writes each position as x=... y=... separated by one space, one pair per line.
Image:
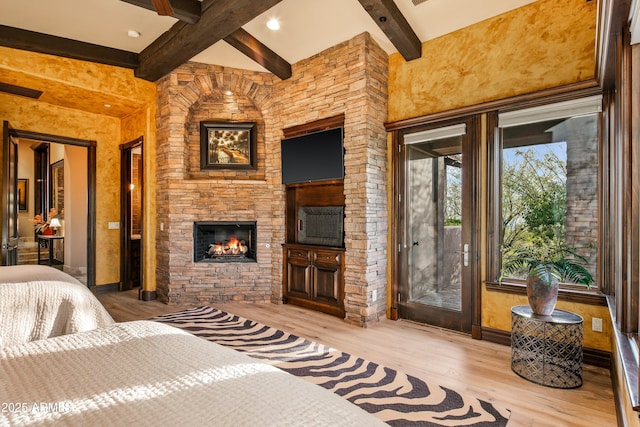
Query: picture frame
x=23 y=194
x=227 y=145
x=57 y=188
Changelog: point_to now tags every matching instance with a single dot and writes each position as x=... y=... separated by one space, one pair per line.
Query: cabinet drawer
x=295 y=254
x=328 y=257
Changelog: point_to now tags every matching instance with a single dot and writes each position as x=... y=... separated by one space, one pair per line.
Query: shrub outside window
x=549 y=181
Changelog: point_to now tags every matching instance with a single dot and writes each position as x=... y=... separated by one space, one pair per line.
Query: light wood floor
x=474 y=367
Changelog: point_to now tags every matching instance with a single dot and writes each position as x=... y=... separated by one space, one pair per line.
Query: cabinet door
x=328 y=277
x=299 y=273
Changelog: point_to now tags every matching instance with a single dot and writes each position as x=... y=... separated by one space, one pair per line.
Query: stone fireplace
x=223 y=241
x=348 y=79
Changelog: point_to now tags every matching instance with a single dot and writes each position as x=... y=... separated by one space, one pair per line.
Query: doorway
x=436 y=215
x=131 y=194
x=84 y=209
x=10 y=197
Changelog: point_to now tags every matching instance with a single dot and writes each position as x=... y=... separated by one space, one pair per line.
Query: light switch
x=596 y=324
x=114 y=225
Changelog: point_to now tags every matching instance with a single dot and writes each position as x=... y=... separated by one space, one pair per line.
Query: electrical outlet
x=596 y=324
x=374 y=295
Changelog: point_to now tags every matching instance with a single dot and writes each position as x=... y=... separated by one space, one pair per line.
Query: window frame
x=595 y=295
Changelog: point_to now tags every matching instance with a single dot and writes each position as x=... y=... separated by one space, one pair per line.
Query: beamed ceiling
x=228 y=32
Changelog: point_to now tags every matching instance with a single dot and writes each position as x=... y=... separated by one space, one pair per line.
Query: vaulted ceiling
x=228 y=32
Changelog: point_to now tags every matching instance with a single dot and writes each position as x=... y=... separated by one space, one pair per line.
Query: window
x=548 y=186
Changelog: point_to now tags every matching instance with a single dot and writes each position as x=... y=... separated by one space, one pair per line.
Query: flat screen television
x=317 y=156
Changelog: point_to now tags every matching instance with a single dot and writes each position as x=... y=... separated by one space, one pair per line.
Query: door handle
x=465 y=254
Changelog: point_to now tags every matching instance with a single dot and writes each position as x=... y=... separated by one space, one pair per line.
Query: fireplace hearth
x=224 y=241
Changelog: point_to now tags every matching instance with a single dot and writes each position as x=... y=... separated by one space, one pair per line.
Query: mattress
x=38 y=302
x=146 y=373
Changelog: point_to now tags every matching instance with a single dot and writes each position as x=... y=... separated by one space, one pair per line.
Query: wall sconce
x=55 y=224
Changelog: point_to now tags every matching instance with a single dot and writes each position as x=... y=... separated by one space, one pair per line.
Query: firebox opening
x=217 y=241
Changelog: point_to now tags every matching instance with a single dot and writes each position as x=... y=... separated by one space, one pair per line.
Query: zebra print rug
x=396 y=398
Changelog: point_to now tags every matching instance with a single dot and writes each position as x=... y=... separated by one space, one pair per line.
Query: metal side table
x=547 y=350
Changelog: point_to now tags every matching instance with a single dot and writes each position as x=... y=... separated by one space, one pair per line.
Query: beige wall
x=75 y=210
x=541 y=45
x=73 y=83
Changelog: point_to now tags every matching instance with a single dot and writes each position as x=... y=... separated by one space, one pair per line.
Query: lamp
x=55 y=224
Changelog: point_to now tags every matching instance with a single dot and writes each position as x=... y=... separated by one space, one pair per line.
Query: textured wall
x=544 y=44
x=143 y=123
x=74 y=83
x=496 y=314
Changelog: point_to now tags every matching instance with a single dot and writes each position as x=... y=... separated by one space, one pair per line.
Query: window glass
x=549 y=190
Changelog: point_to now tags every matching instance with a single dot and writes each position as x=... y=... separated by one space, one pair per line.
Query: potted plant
x=40 y=226
x=544 y=267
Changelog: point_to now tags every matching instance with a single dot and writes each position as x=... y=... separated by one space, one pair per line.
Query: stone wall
x=349 y=78
x=581 y=223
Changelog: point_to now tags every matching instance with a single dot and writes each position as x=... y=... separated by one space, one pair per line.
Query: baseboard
x=591 y=356
x=497 y=336
x=105 y=289
x=148 y=295
x=74 y=271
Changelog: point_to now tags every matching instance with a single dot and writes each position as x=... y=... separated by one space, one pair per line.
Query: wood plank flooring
x=478 y=368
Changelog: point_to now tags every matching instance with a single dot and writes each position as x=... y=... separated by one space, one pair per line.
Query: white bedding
x=145 y=373
x=38 y=302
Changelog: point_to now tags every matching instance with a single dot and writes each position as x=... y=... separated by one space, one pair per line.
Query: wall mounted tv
x=317 y=156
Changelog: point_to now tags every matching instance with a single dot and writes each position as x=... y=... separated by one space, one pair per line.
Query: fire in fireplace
x=216 y=241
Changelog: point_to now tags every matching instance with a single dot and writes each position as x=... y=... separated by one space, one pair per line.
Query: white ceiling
x=307 y=26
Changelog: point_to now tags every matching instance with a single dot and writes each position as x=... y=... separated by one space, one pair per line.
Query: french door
x=436 y=245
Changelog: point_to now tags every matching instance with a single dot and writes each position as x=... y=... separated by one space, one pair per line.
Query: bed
x=38 y=302
x=149 y=373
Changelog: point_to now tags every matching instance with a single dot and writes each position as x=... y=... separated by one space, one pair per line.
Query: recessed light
x=107 y=105
x=273 y=24
x=133 y=34
x=228 y=92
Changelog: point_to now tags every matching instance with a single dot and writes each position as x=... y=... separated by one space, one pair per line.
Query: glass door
x=435 y=244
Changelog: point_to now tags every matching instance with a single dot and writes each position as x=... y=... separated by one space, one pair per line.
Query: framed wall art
x=57 y=187
x=23 y=194
x=227 y=145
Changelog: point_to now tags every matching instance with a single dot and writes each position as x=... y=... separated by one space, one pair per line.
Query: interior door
x=9 y=212
x=131 y=192
x=435 y=243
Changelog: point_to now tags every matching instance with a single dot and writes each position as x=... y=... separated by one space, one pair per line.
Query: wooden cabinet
x=313 y=277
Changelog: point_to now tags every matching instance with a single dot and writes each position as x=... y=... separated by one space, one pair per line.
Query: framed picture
x=57 y=187
x=23 y=194
x=227 y=145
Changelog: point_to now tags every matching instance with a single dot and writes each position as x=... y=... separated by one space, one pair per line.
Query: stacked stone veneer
x=349 y=79
x=581 y=223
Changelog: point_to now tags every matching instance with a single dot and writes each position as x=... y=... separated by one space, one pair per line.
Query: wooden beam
x=163 y=7
x=20 y=90
x=184 y=10
x=254 y=49
x=43 y=43
x=390 y=20
x=183 y=41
